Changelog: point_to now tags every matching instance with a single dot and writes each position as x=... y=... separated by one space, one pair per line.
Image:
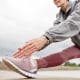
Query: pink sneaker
x=23 y=66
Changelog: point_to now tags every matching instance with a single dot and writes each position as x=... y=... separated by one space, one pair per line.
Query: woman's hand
x=31 y=47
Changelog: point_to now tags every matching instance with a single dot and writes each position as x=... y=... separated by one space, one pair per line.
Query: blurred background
x=23 y=20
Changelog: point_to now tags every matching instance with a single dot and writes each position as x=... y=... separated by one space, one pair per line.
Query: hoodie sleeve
x=66 y=29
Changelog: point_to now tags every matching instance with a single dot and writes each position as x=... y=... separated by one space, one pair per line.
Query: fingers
x=29 y=49
x=26 y=53
x=20 y=49
x=16 y=53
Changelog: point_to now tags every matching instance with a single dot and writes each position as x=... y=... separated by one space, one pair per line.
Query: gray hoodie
x=66 y=25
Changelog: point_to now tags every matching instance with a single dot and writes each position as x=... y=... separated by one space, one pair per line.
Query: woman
x=66 y=25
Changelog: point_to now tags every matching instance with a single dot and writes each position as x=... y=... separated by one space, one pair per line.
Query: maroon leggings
x=59 y=58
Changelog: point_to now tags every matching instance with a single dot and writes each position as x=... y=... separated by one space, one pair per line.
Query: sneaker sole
x=13 y=67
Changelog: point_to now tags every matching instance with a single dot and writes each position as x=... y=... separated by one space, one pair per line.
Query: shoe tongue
x=34 y=66
x=31 y=63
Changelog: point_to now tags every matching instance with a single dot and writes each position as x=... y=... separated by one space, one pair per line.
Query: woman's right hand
x=31 y=47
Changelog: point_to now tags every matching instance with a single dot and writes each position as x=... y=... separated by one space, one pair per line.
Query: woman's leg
x=59 y=58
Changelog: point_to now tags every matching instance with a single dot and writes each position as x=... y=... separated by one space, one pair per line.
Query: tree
x=71 y=64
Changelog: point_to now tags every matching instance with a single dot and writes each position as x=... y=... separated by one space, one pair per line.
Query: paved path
x=42 y=75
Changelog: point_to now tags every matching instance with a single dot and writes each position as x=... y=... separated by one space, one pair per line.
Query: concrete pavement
x=42 y=75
